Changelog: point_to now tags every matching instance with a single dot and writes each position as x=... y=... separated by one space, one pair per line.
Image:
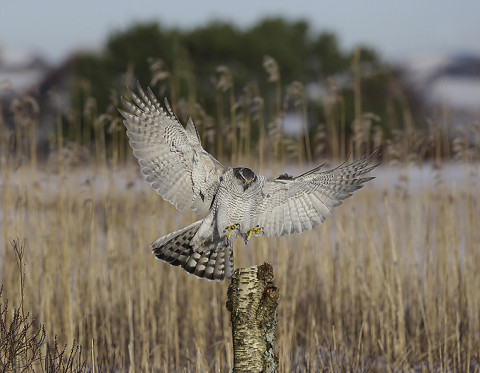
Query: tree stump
x=252 y=303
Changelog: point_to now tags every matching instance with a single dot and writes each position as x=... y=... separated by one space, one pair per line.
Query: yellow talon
x=255 y=230
x=230 y=229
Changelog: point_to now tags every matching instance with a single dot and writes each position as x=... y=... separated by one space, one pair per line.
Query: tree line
x=213 y=64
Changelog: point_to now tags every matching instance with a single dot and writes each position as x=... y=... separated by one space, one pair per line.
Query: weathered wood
x=252 y=303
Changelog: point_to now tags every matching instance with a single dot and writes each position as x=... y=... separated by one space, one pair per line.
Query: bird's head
x=245 y=175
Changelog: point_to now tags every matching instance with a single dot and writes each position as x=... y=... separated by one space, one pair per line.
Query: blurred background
x=306 y=68
x=389 y=282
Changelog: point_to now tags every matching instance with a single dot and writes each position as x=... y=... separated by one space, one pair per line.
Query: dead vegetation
x=389 y=283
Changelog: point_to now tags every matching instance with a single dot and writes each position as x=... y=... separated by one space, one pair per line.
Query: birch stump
x=252 y=303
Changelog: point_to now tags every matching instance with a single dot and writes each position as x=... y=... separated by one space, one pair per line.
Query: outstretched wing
x=171 y=157
x=294 y=205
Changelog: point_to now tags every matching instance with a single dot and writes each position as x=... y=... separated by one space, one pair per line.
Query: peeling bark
x=252 y=303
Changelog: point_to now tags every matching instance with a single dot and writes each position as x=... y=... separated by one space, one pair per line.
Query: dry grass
x=389 y=283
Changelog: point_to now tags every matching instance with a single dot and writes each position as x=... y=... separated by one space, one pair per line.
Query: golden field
x=389 y=283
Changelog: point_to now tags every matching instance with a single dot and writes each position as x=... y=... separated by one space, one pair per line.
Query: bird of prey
x=234 y=201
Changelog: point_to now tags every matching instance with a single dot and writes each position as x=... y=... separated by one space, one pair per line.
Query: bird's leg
x=254 y=230
x=231 y=228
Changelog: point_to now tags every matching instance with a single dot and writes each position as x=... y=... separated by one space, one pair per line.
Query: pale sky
x=396 y=29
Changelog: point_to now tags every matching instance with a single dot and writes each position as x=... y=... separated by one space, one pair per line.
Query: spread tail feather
x=214 y=262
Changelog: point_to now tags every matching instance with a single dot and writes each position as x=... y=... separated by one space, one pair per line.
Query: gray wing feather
x=299 y=204
x=171 y=157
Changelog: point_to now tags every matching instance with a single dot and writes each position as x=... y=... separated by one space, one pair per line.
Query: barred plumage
x=236 y=201
x=214 y=261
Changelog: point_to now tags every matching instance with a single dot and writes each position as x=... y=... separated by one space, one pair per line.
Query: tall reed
x=389 y=283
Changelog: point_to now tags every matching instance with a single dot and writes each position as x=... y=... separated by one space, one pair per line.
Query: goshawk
x=235 y=201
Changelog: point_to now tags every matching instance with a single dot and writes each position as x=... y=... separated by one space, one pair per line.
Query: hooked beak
x=246 y=184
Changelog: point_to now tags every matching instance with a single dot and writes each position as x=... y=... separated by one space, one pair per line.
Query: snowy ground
x=412 y=177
